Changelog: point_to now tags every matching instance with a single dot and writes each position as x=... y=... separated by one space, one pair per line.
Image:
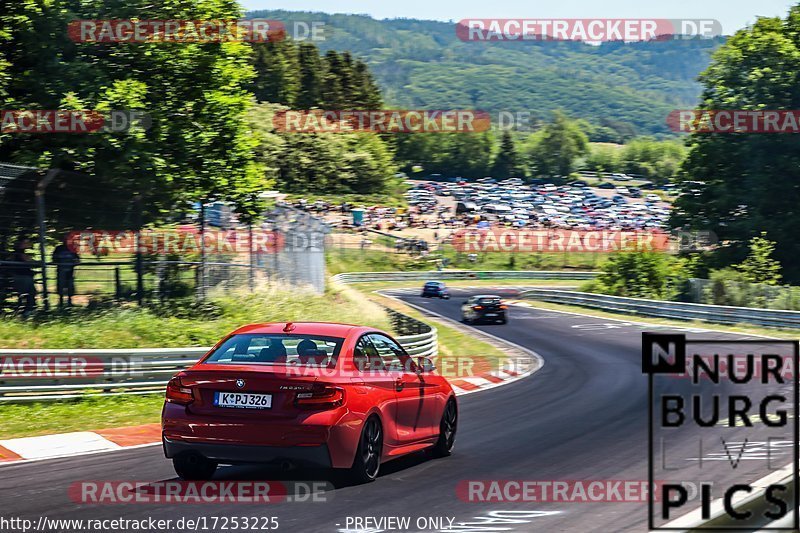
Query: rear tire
x=504 y=320
x=367 y=462
x=194 y=467
x=447 y=430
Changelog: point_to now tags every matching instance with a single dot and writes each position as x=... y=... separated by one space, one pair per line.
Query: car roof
x=487 y=296
x=326 y=329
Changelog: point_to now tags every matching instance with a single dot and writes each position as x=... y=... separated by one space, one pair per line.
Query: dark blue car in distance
x=435 y=289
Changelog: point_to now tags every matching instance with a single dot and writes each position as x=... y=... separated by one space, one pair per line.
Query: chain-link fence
x=62 y=242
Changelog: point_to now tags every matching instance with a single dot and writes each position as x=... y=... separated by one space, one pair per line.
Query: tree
x=276 y=66
x=198 y=146
x=311 y=77
x=738 y=185
x=759 y=266
x=554 y=150
x=506 y=161
x=639 y=275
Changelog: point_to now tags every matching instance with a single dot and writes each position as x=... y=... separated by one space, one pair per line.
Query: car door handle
x=398 y=384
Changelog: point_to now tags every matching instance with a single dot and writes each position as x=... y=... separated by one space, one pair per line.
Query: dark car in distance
x=484 y=308
x=435 y=289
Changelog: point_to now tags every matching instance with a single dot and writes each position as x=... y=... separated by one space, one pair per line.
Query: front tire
x=447 y=430
x=367 y=462
x=194 y=467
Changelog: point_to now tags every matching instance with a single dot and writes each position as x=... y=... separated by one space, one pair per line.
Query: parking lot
x=514 y=203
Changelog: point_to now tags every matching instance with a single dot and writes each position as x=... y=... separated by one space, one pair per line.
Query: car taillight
x=177 y=393
x=503 y=307
x=320 y=397
x=478 y=307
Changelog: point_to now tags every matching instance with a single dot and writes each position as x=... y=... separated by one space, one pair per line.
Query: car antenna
x=288 y=327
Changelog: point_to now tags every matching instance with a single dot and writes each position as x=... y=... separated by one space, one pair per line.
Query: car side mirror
x=425 y=365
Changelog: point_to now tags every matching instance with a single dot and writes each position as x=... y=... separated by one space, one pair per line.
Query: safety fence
x=678 y=310
x=138 y=371
x=365 y=277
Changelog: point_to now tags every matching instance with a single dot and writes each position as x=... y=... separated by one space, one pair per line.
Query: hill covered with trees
x=623 y=90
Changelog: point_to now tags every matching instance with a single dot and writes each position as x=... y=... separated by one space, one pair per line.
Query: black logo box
x=677 y=366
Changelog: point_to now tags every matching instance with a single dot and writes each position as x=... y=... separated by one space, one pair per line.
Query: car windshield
x=278 y=349
x=432 y=285
x=489 y=301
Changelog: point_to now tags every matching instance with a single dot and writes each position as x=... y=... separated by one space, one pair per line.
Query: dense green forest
x=740 y=186
x=622 y=89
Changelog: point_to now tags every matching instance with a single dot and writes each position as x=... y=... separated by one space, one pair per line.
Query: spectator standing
x=65 y=260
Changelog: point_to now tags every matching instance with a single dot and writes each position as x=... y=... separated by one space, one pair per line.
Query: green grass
x=133 y=327
x=130 y=326
x=78 y=415
x=354 y=260
x=510 y=282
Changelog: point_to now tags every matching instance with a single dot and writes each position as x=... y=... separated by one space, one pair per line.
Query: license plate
x=242 y=400
x=491 y=314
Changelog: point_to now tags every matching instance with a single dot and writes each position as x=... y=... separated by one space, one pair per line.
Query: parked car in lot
x=484 y=308
x=307 y=394
x=435 y=289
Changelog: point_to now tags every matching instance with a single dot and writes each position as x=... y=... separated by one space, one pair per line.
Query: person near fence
x=65 y=260
x=22 y=276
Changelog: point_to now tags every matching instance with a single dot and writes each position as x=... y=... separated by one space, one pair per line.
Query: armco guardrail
x=678 y=310
x=363 y=277
x=146 y=371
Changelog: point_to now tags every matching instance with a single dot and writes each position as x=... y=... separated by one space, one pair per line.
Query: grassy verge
x=456 y=283
x=182 y=326
x=79 y=415
x=742 y=328
x=354 y=260
x=134 y=327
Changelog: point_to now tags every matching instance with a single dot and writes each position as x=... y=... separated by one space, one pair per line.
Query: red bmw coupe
x=306 y=394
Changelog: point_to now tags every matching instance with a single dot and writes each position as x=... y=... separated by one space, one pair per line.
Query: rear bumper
x=498 y=316
x=312 y=456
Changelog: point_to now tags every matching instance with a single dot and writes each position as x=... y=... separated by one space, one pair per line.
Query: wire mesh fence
x=65 y=239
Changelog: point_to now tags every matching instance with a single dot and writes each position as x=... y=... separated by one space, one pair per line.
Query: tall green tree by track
x=554 y=150
x=506 y=162
x=739 y=185
x=198 y=147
